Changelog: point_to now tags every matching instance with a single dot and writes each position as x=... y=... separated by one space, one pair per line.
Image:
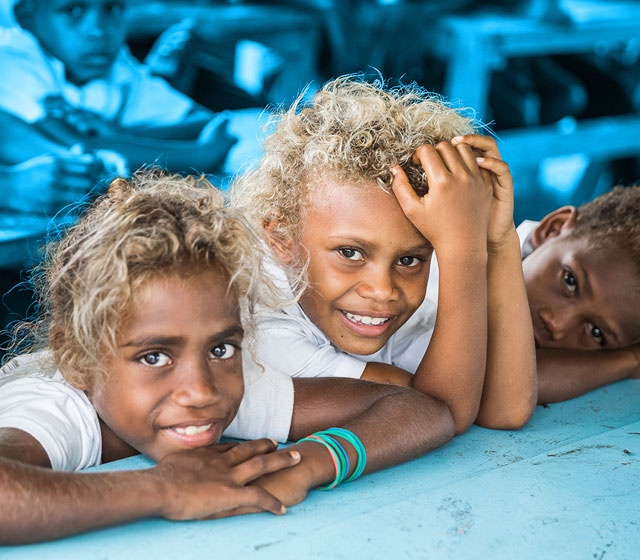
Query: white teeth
x=366 y=320
x=193 y=430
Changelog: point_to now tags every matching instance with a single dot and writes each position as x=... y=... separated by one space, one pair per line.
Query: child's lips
x=367 y=323
x=196 y=433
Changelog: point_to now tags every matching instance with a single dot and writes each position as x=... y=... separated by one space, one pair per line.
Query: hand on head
x=496 y=173
x=455 y=211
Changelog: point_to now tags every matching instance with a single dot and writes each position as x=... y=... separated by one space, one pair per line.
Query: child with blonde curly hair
x=144 y=304
x=355 y=191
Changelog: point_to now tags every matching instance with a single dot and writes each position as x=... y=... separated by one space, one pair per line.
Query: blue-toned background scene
x=95 y=88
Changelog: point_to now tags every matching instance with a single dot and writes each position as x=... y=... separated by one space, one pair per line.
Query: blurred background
x=558 y=83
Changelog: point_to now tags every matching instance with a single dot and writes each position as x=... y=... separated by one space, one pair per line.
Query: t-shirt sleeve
x=267 y=406
x=26 y=78
x=58 y=416
x=290 y=345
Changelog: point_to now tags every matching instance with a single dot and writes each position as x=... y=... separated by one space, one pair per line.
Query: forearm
x=40 y=504
x=453 y=367
x=395 y=424
x=564 y=374
x=21 y=141
x=510 y=385
x=187 y=129
x=138 y=150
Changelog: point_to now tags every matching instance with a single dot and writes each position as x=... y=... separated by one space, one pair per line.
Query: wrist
x=316 y=465
x=506 y=242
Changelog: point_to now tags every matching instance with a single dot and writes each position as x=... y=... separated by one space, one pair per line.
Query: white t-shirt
x=129 y=94
x=35 y=398
x=289 y=341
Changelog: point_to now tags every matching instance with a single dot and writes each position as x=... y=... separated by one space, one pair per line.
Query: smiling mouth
x=365 y=320
x=195 y=435
x=193 y=430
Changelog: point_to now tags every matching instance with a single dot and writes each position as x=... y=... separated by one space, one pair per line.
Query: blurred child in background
x=69 y=79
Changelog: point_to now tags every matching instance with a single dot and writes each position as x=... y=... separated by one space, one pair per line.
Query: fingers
x=246 y=449
x=256 y=497
x=402 y=188
x=264 y=464
x=500 y=170
x=485 y=145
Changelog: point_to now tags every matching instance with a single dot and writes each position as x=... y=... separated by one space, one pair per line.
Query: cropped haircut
x=351 y=131
x=150 y=226
x=613 y=220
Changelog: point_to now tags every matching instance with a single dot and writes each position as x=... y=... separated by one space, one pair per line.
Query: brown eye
x=596 y=333
x=223 y=351
x=409 y=261
x=570 y=281
x=155 y=359
x=351 y=254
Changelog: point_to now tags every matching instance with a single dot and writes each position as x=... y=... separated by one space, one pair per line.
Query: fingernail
x=295 y=454
x=274 y=442
x=394 y=171
x=479 y=159
x=283 y=509
x=457 y=139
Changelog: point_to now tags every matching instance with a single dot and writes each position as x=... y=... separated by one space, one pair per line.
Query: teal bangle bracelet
x=358 y=446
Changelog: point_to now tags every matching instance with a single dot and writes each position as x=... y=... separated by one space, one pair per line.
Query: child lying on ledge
x=144 y=305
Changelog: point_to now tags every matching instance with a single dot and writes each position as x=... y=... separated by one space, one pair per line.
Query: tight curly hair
x=152 y=225
x=613 y=220
x=351 y=131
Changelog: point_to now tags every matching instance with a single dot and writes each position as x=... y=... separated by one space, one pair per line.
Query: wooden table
x=565 y=486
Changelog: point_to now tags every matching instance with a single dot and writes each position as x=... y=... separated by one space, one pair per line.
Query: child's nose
x=195 y=385
x=378 y=285
x=558 y=323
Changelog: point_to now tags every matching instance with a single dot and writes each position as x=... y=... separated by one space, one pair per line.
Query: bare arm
x=395 y=424
x=204 y=154
x=564 y=374
x=41 y=504
x=453 y=216
x=510 y=387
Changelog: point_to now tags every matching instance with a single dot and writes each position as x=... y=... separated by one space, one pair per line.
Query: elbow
x=512 y=418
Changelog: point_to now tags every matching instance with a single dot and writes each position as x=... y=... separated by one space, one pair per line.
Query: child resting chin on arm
x=354 y=193
x=145 y=304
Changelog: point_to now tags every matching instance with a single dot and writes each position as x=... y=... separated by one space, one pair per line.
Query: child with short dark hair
x=68 y=75
x=144 y=304
x=582 y=272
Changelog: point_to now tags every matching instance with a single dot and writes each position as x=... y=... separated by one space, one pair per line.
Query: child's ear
x=281 y=248
x=554 y=224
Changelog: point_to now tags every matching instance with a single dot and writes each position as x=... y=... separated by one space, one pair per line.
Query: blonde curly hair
x=352 y=131
x=152 y=225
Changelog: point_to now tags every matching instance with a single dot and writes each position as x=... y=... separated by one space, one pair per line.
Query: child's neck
x=113 y=447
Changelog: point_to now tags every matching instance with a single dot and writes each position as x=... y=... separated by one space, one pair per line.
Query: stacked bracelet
x=339 y=454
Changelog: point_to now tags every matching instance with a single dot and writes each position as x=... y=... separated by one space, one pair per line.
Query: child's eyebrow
x=426 y=246
x=158 y=340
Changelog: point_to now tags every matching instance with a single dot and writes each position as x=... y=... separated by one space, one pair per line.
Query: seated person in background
x=69 y=76
x=47 y=183
x=145 y=304
x=582 y=272
x=361 y=186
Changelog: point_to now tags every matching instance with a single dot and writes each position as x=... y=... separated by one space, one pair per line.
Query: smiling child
x=144 y=306
x=354 y=193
